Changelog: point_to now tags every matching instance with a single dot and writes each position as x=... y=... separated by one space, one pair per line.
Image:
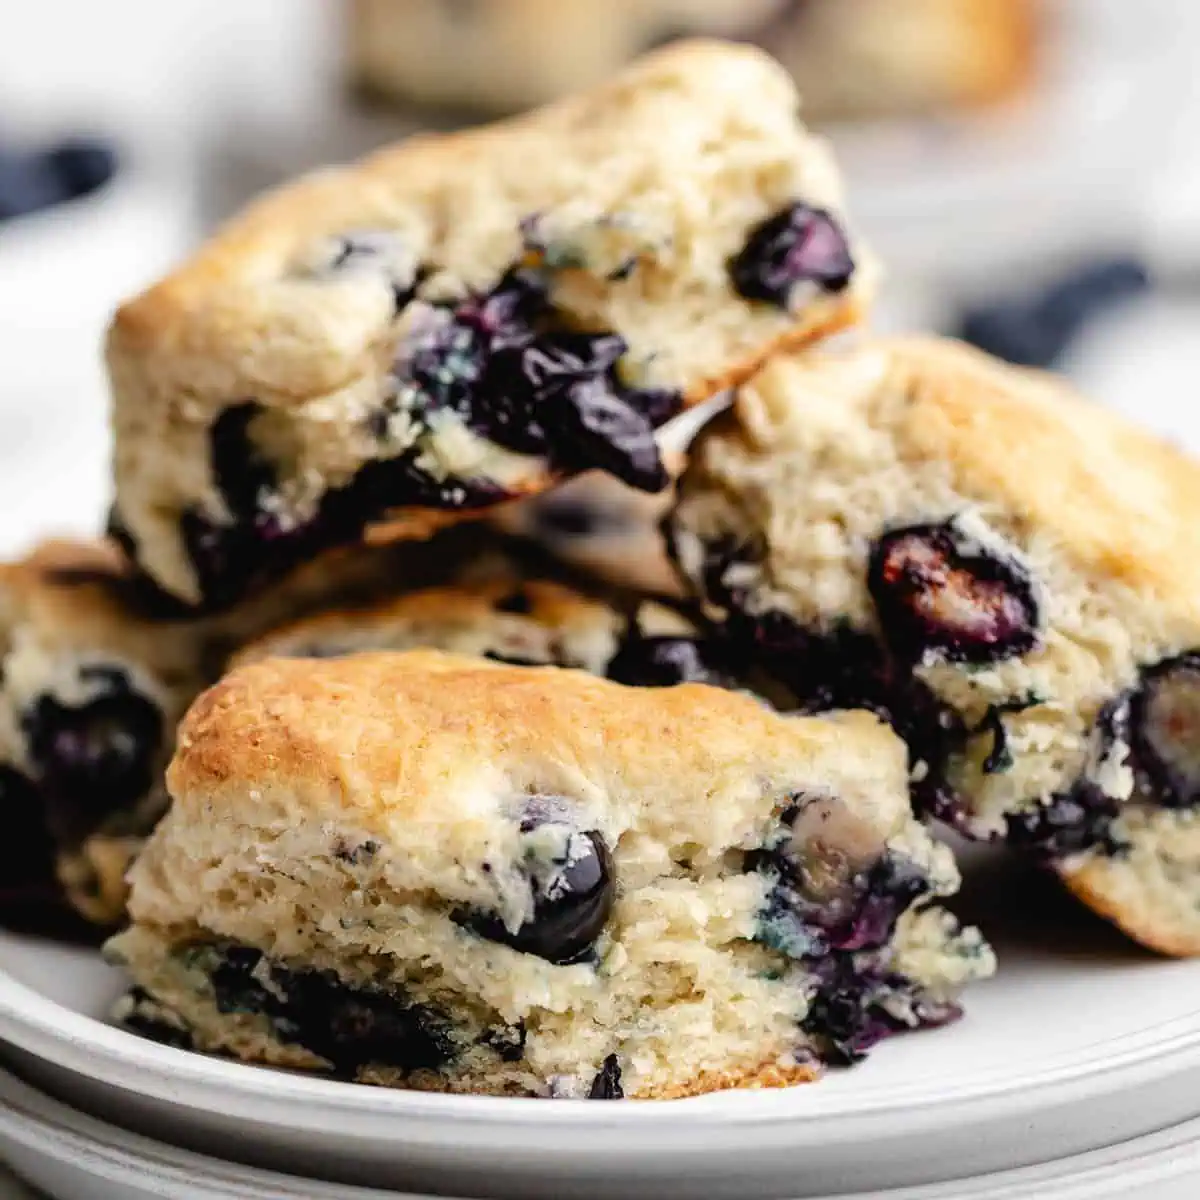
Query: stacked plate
x=1076 y=1074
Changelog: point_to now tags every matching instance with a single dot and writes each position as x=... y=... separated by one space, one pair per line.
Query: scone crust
x=346 y=729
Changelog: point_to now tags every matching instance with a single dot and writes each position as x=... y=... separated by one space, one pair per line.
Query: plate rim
x=84 y=1045
x=41 y=1122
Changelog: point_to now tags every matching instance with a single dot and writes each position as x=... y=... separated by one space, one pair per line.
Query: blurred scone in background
x=850 y=56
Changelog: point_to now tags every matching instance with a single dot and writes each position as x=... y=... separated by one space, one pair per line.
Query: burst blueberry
x=94 y=758
x=799 y=245
x=942 y=597
x=1165 y=729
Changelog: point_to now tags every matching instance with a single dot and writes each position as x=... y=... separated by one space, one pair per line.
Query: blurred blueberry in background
x=32 y=179
x=1036 y=330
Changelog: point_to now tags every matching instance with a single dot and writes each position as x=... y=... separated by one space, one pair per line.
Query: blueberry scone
x=463 y=320
x=92 y=686
x=1002 y=570
x=432 y=871
x=851 y=56
x=521 y=621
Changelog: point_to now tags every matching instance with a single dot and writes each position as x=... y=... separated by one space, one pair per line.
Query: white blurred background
x=207 y=101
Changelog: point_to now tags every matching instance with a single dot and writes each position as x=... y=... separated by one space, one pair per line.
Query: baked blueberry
x=27 y=870
x=572 y=885
x=349 y=1027
x=941 y=596
x=94 y=758
x=858 y=1002
x=607 y=1084
x=835 y=885
x=1069 y=823
x=499 y=362
x=800 y=245
x=1165 y=728
x=663 y=660
x=846 y=669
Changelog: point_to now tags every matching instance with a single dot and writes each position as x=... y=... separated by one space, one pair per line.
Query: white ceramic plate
x=72 y=1156
x=1082 y=1041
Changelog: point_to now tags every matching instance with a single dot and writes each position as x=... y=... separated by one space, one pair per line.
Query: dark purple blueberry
x=231 y=560
x=499 y=362
x=349 y=1027
x=28 y=885
x=1067 y=824
x=573 y=889
x=93 y=759
x=1036 y=331
x=240 y=471
x=836 y=886
x=607 y=1084
x=845 y=669
x=890 y=888
x=799 y=245
x=236 y=984
x=643 y=661
x=942 y=597
x=1164 y=720
x=858 y=1003
x=593 y=426
x=136 y=589
x=720 y=557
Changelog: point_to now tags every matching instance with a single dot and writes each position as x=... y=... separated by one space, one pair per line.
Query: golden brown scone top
x=637 y=144
x=1118 y=500
x=425 y=739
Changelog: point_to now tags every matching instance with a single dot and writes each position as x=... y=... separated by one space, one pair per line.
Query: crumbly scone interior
x=373 y=901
